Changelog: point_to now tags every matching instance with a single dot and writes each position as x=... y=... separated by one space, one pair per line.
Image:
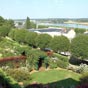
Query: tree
x=4 y=30
x=43 y=40
x=10 y=23
x=2 y=20
x=32 y=25
x=79 y=46
x=20 y=23
x=30 y=38
x=60 y=44
x=28 y=23
x=19 y=35
x=79 y=30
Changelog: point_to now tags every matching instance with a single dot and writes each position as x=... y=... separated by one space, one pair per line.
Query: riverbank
x=80 y=23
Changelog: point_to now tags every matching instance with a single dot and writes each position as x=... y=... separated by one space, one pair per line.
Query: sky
x=20 y=9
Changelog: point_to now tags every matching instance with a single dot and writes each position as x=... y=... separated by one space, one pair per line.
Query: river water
x=67 y=25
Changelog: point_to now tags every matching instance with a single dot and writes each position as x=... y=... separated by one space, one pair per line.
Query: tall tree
x=28 y=23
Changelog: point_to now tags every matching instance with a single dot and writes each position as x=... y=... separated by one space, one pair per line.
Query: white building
x=70 y=34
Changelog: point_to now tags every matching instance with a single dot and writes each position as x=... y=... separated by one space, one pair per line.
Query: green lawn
x=56 y=77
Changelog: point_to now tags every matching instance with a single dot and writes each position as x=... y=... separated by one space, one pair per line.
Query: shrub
x=7 y=81
x=62 y=64
x=63 y=58
x=58 y=61
x=33 y=58
x=82 y=68
x=55 y=62
x=19 y=74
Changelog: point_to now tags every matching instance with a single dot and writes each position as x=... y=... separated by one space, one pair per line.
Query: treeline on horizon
x=56 y=20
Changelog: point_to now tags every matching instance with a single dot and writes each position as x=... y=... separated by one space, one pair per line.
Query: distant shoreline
x=82 y=23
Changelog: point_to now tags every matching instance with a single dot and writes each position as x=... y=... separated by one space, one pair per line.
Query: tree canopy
x=43 y=40
x=60 y=44
x=30 y=38
x=2 y=20
x=79 y=46
x=18 y=35
x=28 y=23
x=79 y=30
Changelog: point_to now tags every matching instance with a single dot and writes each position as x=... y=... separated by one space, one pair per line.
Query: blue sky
x=20 y=9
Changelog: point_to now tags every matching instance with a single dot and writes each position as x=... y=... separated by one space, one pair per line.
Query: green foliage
x=58 y=60
x=33 y=57
x=43 y=40
x=12 y=33
x=30 y=38
x=20 y=23
x=60 y=43
x=32 y=25
x=19 y=74
x=62 y=64
x=28 y=23
x=83 y=68
x=2 y=21
x=42 y=26
x=7 y=80
x=79 y=30
x=9 y=23
x=8 y=47
x=4 y=30
x=19 y=35
x=84 y=78
x=79 y=46
x=61 y=57
x=53 y=63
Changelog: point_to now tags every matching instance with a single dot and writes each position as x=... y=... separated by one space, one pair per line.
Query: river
x=66 y=25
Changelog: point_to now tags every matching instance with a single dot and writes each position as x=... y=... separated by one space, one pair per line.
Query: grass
x=56 y=77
